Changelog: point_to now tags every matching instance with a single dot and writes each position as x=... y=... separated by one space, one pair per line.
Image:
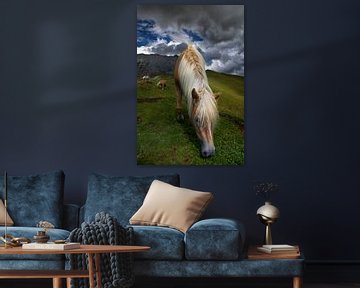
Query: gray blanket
x=116 y=268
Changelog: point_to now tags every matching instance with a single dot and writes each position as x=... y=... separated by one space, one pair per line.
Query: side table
x=288 y=259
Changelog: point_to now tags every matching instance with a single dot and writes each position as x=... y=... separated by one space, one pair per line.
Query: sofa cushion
x=165 y=243
x=35 y=198
x=29 y=232
x=119 y=196
x=222 y=269
x=214 y=239
x=170 y=206
x=9 y=221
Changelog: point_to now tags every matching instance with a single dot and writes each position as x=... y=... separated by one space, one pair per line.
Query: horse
x=161 y=84
x=192 y=83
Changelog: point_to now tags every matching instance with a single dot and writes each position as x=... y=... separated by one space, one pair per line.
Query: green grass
x=162 y=140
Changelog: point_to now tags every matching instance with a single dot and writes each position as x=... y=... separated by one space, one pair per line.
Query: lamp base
x=268 y=237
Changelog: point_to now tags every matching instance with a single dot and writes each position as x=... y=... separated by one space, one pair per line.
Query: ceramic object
x=41 y=237
x=268 y=214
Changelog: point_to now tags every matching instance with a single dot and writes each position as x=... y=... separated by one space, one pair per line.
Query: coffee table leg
x=68 y=282
x=98 y=270
x=91 y=270
x=297 y=282
x=57 y=283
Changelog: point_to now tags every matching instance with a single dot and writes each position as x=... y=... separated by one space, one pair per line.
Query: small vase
x=41 y=237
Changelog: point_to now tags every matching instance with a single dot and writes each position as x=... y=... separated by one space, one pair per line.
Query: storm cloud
x=217 y=30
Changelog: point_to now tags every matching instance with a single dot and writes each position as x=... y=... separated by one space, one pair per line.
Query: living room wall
x=68 y=101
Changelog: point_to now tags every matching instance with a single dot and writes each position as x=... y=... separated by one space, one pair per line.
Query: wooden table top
x=254 y=254
x=91 y=249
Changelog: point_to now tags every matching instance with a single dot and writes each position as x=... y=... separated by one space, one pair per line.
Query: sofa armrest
x=70 y=216
x=215 y=239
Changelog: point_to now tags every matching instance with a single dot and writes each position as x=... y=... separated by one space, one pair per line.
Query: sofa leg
x=297 y=282
x=57 y=283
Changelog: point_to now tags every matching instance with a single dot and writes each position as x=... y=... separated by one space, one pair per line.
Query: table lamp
x=268 y=214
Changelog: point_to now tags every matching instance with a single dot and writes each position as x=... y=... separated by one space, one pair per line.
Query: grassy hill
x=162 y=140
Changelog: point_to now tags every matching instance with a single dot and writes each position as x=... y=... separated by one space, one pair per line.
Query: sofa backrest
x=120 y=196
x=70 y=219
x=35 y=198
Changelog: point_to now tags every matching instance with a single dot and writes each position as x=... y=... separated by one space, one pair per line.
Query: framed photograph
x=190 y=84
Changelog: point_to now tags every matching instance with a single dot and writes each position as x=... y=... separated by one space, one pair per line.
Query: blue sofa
x=32 y=199
x=210 y=248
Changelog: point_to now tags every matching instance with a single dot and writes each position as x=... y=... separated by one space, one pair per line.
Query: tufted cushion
x=119 y=196
x=214 y=239
x=170 y=206
x=35 y=198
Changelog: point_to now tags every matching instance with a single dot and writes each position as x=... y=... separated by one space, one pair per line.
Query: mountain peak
x=155 y=64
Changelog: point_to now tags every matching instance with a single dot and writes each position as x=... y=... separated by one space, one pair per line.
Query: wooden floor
x=238 y=283
x=252 y=284
x=338 y=285
x=45 y=283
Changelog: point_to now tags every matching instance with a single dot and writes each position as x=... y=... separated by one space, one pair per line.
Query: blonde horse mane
x=192 y=74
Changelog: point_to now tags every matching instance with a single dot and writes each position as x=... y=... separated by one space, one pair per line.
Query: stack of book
x=279 y=249
x=51 y=246
x=282 y=251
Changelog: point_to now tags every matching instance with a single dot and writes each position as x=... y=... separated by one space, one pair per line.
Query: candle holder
x=41 y=237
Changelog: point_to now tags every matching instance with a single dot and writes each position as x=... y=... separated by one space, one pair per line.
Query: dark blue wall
x=67 y=100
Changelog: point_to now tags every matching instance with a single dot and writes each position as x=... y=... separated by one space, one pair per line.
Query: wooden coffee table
x=93 y=251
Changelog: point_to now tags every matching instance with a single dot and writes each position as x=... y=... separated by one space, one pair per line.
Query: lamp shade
x=268 y=211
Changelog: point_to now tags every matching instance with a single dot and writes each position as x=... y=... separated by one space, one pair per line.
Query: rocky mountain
x=154 y=64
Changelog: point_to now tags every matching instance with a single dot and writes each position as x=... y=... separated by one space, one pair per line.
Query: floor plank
x=46 y=283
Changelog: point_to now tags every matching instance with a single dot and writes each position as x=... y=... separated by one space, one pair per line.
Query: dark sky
x=217 y=30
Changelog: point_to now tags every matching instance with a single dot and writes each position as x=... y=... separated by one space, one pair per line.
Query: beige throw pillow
x=9 y=221
x=170 y=206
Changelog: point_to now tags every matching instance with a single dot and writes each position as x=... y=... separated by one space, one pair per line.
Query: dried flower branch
x=45 y=225
x=264 y=189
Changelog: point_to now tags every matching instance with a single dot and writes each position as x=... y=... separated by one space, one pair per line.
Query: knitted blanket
x=116 y=268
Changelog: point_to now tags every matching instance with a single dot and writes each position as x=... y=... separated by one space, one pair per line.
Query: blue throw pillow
x=35 y=198
x=120 y=196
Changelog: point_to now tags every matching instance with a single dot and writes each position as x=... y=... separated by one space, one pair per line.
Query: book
x=51 y=246
x=277 y=249
x=255 y=254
